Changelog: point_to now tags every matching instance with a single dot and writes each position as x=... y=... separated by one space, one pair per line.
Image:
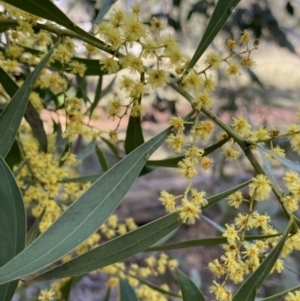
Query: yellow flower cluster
x=46 y=295
x=110 y=229
x=154 y=266
x=241 y=257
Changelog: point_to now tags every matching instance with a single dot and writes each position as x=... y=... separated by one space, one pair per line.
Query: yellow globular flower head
x=134 y=29
x=209 y=84
x=197 y=197
x=260 y=187
x=132 y=62
x=130 y=223
x=46 y=295
x=157 y=78
x=69 y=158
x=251 y=251
x=136 y=8
x=230 y=153
x=156 y=24
x=137 y=110
x=291 y=178
x=150 y=261
x=25 y=27
x=216 y=268
x=293 y=129
x=114 y=107
x=36 y=101
x=174 y=55
x=231 y=44
x=193 y=81
x=77 y=68
x=62 y=54
x=241 y=126
x=245 y=38
x=295 y=143
x=14 y=51
x=202 y=99
x=291 y=203
x=168 y=200
x=235 y=199
x=206 y=162
x=194 y=153
x=92 y=50
x=295 y=190
x=112 y=221
x=278 y=267
x=278 y=151
x=247 y=62
x=220 y=291
x=187 y=168
x=213 y=59
x=233 y=70
x=295 y=296
x=176 y=143
x=262 y=133
x=243 y=221
x=109 y=64
x=126 y=82
x=113 y=135
x=231 y=234
x=116 y=17
x=137 y=90
x=177 y=122
x=260 y=220
x=188 y=212
x=204 y=129
x=173 y=263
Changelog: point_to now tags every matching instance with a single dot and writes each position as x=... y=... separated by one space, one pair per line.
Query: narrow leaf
x=97 y=95
x=31 y=115
x=107 y=295
x=13 y=224
x=203 y=242
x=134 y=134
x=67 y=287
x=112 y=147
x=92 y=67
x=34 y=120
x=48 y=10
x=221 y=196
x=220 y=15
x=6 y=24
x=115 y=250
x=84 y=216
x=107 y=4
x=190 y=291
x=248 y=290
x=89 y=148
x=288 y=163
x=281 y=294
x=101 y=159
x=11 y=117
x=173 y=162
x=14 y=156
x=34 y=231
x=126 y=291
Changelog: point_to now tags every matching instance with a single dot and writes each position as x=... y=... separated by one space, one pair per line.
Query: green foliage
x=63 y=240
x=189 y=290
x=13 y=229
